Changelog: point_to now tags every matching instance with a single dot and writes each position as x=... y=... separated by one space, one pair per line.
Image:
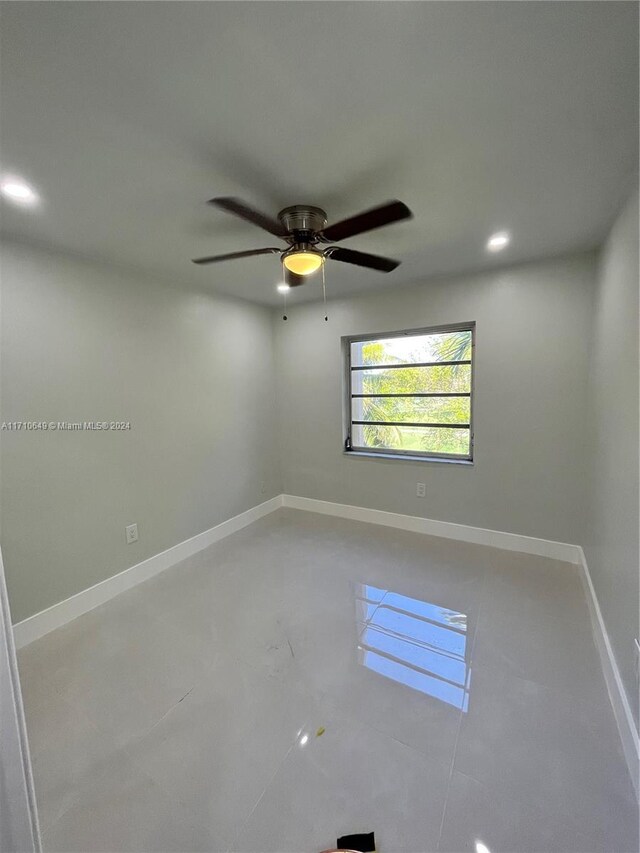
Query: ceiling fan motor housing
x=303 y=222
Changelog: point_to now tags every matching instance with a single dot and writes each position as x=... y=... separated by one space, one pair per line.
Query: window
x=410 y=393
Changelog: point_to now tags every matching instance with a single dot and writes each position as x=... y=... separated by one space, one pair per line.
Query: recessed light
x=283 y=288
x=18 y=191
x=304 y=740
x=498 y=241
x=482 y=848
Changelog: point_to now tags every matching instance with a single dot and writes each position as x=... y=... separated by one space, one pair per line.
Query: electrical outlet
x=131 y=531
x=421 y=490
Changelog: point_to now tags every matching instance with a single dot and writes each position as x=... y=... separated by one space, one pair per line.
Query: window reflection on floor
x=415 y=643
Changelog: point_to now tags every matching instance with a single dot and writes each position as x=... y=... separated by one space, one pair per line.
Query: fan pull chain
x=324 y=292
x=284 y=316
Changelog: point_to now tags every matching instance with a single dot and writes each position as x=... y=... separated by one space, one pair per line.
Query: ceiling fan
x=304 y=228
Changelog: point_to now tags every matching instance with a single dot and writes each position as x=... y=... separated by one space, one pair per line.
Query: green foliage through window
x=409 y=380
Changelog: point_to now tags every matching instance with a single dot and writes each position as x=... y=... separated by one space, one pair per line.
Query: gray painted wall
x=611 y=542
x=533 y=325
x=193 y=375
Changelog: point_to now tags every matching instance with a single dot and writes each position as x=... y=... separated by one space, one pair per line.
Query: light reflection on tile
x=418 y=644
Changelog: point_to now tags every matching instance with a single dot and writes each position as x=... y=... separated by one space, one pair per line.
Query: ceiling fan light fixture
x=302 y=262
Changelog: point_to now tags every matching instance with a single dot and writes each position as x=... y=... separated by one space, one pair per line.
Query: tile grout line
x=99 y=731
x=461 y=717
x=368 y=621
x=242 y=823
x=159 y=784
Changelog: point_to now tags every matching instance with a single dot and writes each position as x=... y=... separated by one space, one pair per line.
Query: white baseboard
x=53 y=617
x=617 y=694
x=432 y=527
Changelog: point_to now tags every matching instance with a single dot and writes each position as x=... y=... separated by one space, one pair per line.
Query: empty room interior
x=319 y=435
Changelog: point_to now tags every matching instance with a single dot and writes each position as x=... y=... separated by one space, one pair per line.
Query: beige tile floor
x=458 y=687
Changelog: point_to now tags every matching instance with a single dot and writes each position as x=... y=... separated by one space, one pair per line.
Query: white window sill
x=405 y=457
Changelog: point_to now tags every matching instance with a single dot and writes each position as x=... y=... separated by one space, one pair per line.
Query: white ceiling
x=480 y=116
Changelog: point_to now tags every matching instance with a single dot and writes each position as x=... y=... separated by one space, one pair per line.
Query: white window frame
x=411 y=455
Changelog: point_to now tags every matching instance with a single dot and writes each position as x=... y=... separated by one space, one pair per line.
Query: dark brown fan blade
x=392 y=211
x=213 y=259
x=362 y=259
x=294 y=280
x=239 y=208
